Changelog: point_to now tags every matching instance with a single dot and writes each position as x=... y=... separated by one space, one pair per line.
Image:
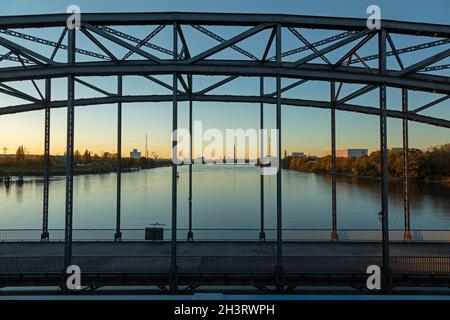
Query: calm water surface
x=225 y=196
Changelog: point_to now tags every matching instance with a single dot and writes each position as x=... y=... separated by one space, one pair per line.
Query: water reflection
x=225 y=196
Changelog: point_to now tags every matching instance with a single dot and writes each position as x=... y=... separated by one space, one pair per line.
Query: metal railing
x=344 y=235
x=222 y=264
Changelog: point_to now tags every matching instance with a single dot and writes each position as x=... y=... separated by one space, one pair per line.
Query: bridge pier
x=45 y=235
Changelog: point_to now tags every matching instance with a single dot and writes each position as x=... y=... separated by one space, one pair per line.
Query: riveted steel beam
x=231 y=19
x=231 y=98
x=310 y=71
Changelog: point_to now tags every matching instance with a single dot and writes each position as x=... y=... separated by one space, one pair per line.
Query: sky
x=304 y=129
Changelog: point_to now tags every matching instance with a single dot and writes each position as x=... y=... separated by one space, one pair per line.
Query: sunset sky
x=303 y=129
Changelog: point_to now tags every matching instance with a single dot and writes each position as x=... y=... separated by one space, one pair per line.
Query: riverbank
x=445 y=181
x=432 y=165
x=77 y=170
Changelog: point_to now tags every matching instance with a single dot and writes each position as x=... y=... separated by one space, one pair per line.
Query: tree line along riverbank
x=21 y=164
x=430 y=165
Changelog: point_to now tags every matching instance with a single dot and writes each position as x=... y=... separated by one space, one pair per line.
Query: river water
x=224 y=196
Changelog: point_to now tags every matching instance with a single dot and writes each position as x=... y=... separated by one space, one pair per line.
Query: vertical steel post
x=279 y=267
x=69 y=153
x=334 y=234
x=174 y=269
x=45 y=234
x=407 y=232
x=190 y=235
x=118 y=234
x=386 y=285
x=262 y=234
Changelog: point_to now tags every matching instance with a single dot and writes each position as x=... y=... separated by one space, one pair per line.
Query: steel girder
x=229 y=98
x=225 y=19
x=430 y=83
x=423 y=82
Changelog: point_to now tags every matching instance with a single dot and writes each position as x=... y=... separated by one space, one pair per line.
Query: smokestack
x=146 y=148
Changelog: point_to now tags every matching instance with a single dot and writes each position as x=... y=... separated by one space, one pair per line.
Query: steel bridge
x=334 y=61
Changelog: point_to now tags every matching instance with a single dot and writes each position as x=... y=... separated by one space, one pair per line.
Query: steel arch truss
x=321 y=59
x=173 y=44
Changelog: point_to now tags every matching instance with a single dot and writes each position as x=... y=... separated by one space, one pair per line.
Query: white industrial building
x=349 y=153
x=298 y=154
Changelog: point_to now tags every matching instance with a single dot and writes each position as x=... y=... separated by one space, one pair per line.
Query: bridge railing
x=25 y=235
x=222 y=264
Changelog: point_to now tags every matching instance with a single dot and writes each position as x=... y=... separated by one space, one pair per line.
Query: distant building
x=349 y=153
x=135 y=154
x=312 y=159
x=397 y=150
x=298 y=154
